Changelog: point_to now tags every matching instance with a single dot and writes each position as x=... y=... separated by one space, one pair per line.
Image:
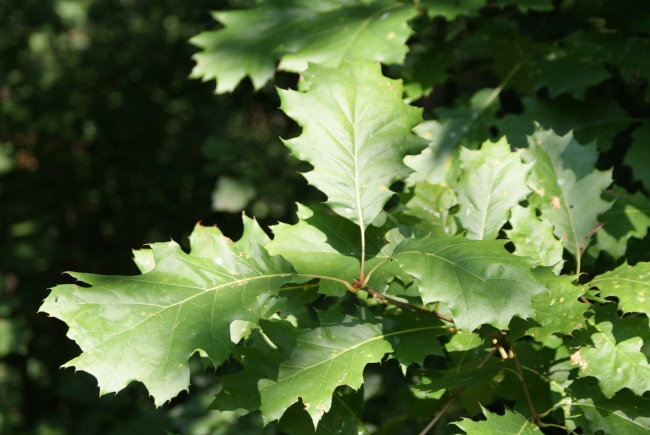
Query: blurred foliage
x=105 y=144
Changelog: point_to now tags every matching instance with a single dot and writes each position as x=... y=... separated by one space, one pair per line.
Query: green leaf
x=328 y=246
x=624 y=413
x=308 y=364
x=567 y=188
x=534 y=238
x=479 y=281
x=572 y=67
x=589 y=120
x=466 y=125
x=432 y=203
x=451 y=9
x=356 y=131
x=639 y=153
x=146 y=327
x=629 y=217
x=615 y=358
x=493 y=180
x=296 y=32
x=630 y=284
x=509 y=423
x=558 y=309
x=456 y=378
x=417 y=337
x=526 y=5
x=321 y=245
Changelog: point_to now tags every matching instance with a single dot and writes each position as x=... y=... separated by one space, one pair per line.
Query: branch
x=453 y=397
x=534 y=413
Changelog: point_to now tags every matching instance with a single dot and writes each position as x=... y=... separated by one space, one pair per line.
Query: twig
x=523 y=384
x=406 y=305
x=453 y=397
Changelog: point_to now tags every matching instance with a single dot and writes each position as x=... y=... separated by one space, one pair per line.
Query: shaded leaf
x=629 y=217
x=450 y=9
x=509 y=423
x=479 y=281
x=639 y=154
x=296 y=32
x=456 y=378
x=432 y=203
x=567 y=187
x=493 y=181
x=466 y=125
x=534 y=238
x=308 y=364
x=356 y=131
x=630 y=284
x=146 y=327
x=624 y=413
x=417 y=337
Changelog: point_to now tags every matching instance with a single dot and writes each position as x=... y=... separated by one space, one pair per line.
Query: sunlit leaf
x=493 y=180
x=615 y=357
x=479 y=281
x=295 y=32
x=495 y=424
x=356 y=131
x=145 y=327
x=567 y=187
x=630 y=284
x=534 y=238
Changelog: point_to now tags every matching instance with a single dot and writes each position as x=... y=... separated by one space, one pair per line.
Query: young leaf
x=615 y=358
x=145 y=327
x=567 y=188
x=356 y=131
x=308 y=364
x=493 y=181
x=297 y=32
x=534 y=238
x=495 y=424
x=479 y=281
x=630 y=284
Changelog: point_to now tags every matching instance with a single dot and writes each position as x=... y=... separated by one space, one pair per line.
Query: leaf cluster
x=486 y=260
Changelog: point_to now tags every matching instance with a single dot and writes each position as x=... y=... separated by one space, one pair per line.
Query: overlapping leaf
x=624 y=413
x=630 y=284
x=433 y=203
x=557 y=310
x=534 y=238
x=615 y=358
x=466 y=125
x=639 y=154
x=629 y=217
x=451 y=9
x=145 y=328
x=567 y=187
x=510 y=423
x=493 y=181
x=479 y=281
x=356 y=131
x=296 y=32
x=308 y=364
